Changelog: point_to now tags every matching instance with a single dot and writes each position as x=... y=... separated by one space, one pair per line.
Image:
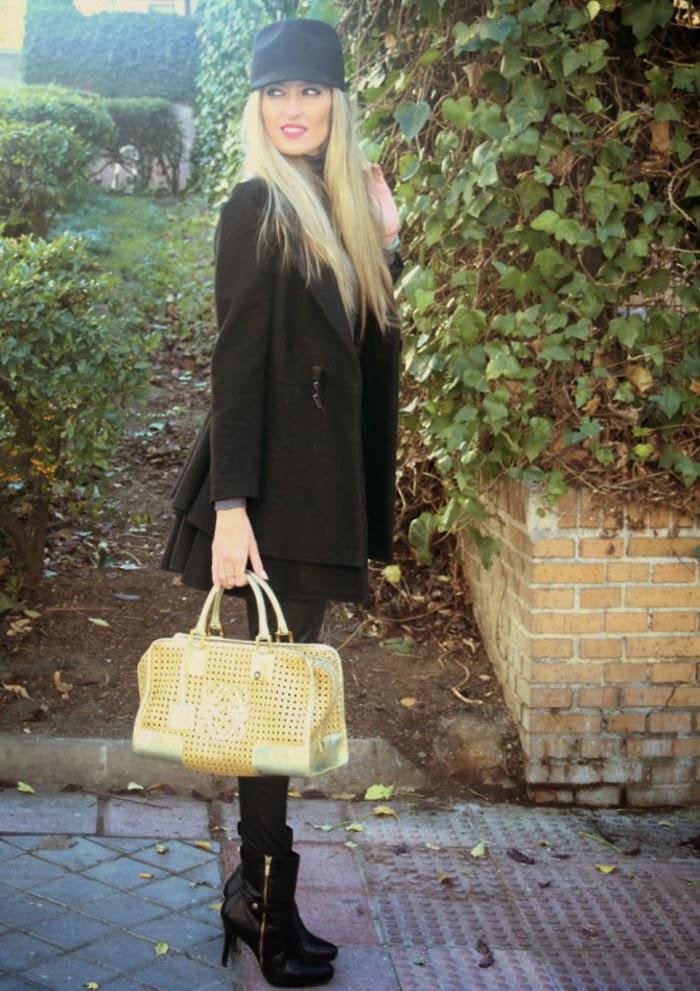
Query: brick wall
x=591 y=619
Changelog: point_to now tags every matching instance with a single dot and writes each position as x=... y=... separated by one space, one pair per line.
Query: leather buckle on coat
x=316 y=372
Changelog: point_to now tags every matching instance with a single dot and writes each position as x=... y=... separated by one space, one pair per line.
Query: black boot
x=311 y=947
x=260 y=910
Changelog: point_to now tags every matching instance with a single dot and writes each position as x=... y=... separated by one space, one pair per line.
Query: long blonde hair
x=335 y=221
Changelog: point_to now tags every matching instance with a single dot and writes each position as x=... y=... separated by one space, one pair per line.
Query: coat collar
x=327 y=295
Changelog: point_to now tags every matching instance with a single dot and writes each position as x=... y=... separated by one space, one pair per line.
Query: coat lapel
x=327 y=295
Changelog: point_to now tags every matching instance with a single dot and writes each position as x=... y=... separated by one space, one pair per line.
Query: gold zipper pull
x=268 y=865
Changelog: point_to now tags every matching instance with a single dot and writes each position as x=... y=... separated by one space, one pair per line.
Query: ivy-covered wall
x=542 y=156
x=114 y=54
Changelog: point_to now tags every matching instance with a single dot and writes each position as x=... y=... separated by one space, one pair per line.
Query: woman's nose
x=292 y=109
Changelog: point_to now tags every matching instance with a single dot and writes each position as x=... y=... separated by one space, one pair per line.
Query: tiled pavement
x=89 y=886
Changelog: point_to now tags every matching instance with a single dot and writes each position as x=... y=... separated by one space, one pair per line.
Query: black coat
x=318 y=473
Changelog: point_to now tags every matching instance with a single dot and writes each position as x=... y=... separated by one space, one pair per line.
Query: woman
x=294 y=466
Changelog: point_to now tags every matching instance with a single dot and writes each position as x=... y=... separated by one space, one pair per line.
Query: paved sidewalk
x=89 y=887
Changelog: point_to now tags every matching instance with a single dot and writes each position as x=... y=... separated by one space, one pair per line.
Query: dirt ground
x=70 y=670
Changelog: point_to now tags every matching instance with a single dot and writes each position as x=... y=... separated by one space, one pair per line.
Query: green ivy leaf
x=412 y=118
x=669 y=400
x=644 y=16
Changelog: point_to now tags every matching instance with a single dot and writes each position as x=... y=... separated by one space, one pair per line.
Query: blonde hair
x=335 y=221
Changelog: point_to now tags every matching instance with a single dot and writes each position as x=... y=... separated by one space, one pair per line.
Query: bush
x=84 y=112
x=114 y=54
x=71 y=365
x=39 y=163
x=152 y=126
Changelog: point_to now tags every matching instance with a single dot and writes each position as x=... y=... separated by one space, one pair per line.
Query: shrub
x=71 y=364
x=84 y=112
x=38 y=165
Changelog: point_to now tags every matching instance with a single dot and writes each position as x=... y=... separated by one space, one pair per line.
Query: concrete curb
x=91 y=762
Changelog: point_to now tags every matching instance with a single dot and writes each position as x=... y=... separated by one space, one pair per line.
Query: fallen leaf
x=161 y=948
x=91 y=985
x=350 y=843
x=202 y=844
x=23 y=786
x=97 y=621
x=344 y=796
x=355 y=827
x=606 y=868
x=215 y=906
x=392 y=573
x=522 y=858
x=294 y=793
x=599 y=839
x=62 y=687
x=479 y=850
x=146 y=874
x=383 y=810
x=161 y=848
x=432 y=846
x=16 y=690
x=400 y=645
x=408 y=702
x=445 y=879
x=18 y=626
x=376 y=793
x=664 y=822
x=484 y=948
x=134 y=786
x=325 y=827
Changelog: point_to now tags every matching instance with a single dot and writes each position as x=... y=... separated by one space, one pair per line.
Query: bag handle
x=282 y=628
x=213 y=600
x=253 y=580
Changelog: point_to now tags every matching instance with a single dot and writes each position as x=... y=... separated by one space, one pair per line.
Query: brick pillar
x=590 y=618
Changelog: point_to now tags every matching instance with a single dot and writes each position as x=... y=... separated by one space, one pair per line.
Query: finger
x=221 y=576
x=238 y=564
x=256 y=561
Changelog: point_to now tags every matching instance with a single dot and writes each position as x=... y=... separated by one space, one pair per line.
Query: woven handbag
x=242 y=707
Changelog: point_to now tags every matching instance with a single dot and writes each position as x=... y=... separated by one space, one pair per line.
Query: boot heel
x=230 y=945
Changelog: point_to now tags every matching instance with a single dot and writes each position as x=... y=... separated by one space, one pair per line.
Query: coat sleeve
x=395 y=264
x=243 y=301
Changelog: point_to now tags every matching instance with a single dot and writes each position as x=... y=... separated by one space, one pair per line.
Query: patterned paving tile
x=49 y=812
x=67 y=972
x=169 y=816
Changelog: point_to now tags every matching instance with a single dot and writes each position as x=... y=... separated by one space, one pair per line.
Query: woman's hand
x=381 y=194
x=234 y=542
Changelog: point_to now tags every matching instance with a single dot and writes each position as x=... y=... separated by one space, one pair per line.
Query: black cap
x=297 y=48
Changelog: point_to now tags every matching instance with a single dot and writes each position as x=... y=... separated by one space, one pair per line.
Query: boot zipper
x=268 y=863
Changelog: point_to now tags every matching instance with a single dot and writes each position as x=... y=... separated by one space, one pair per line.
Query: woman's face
x=296 y=115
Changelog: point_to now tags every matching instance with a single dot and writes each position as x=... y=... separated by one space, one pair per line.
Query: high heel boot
x=311 y=947
x=260 y=911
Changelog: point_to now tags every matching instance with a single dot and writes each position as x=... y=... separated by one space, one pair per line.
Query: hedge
x=114 y=54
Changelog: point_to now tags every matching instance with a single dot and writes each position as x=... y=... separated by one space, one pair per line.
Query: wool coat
x=302 y=422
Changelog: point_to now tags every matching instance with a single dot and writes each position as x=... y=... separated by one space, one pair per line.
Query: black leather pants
x=263 y=800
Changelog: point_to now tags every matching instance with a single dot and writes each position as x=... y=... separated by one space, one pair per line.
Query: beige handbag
x=242 y=707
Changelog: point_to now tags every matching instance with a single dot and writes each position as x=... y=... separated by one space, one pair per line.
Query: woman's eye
x=307 y=89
